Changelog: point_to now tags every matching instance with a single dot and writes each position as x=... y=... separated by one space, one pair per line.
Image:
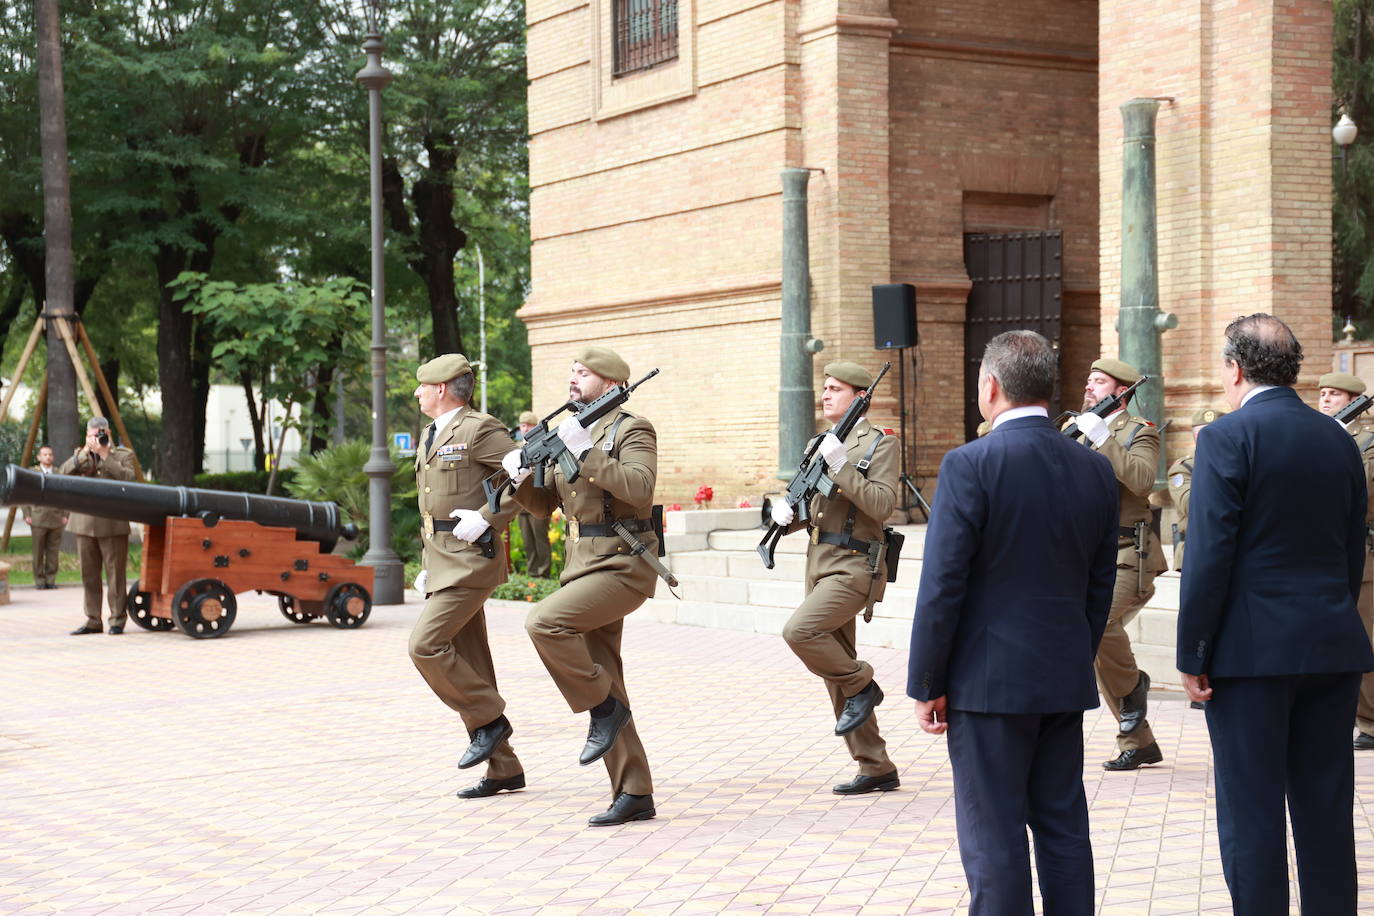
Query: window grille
x=645 y=33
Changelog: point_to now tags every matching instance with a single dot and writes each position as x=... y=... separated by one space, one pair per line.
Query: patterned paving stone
x=301 y=769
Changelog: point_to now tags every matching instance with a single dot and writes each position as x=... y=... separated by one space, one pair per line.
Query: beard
x=1089 y=402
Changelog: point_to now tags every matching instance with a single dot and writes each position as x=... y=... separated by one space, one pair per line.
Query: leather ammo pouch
x=895 y=540
x=656 y=516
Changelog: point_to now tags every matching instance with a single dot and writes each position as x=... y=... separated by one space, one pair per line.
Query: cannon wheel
x=140 y=607
x=204 y=608
x=347 y=605
x=287 y=605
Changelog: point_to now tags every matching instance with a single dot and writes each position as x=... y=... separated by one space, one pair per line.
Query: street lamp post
x=388 y=587
x=1344 y=134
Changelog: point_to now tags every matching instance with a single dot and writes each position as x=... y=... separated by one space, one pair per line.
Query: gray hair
x=1024 y=364
x=97 y=423
x=462 y=386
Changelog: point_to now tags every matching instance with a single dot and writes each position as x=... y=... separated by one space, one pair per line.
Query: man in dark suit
x=1268 y=633
x=1015 y=589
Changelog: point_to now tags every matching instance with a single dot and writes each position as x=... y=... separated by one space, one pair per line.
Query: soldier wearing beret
x=1131 y=444
x=102 y=544
x=1335 y=391
x=843 y=576
x=577 y=629
x=1181 y=484
x=534 y=531
x=462 y=565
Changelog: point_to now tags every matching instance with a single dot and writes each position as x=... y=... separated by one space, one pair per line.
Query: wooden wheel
x=140 y=608
x=347 y=605
x=287 y=605
x=204 y=608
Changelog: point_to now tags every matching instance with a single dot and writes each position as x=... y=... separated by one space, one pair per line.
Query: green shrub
x=246 y=481
x=335 y=474
x=521 y=587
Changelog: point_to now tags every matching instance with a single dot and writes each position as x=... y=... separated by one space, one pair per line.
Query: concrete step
x=897 y=601
x=887 y=632
x=914 y=548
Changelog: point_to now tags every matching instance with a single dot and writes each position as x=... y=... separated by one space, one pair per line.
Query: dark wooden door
x=1017 y=285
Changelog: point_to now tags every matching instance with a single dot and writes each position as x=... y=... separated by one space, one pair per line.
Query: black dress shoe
x=485 y=740
x=883 y=782
x=487 y=787
x=1133 y=705
x=83 y=630
x=601 y=735
x=1135 y=758
x=1364 y=742
x=858 y=708
x=625 y=808
x=116 y=629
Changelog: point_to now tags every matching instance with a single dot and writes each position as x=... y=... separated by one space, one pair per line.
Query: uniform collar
x=442 y=421
x=1017 y=413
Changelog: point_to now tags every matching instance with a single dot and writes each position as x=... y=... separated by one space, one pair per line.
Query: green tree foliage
x=1353 y=212
x=336 y=475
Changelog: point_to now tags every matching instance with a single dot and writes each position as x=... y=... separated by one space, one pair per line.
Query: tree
x=1353 y=211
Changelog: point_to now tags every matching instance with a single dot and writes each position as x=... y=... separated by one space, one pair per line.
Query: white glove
x=1093 y=427
x=782 y=513
x=834 y=453
x=470 y=524
x=577 y=439
x=421 y=581
x=511 y=463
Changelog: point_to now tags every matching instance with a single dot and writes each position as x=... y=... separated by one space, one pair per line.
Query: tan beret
x=850 y=373
x=1204 y=415
x=1123 y=372
x=444 y=368
x=529 y=417
x=605 y=362
x=1342 y=380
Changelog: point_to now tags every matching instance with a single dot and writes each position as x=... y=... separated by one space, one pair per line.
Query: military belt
x=1124 y=532
x=839 y=540
x=636 y=525
x=486 y=543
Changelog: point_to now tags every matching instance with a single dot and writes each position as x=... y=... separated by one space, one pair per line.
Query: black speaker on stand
x=894 y=328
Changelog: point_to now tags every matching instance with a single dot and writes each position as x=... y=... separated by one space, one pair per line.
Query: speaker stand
x=917 y=500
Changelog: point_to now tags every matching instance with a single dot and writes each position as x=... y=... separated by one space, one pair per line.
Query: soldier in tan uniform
x=577 y=629
x=1336 y=390
x=534 y=531
x=463 y=563
x=843 y=578
x=1131 y=443
x=101 y=543
x=45 y=526
x=1181 y=484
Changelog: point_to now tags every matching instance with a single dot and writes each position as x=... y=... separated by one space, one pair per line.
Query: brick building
x=934 y=131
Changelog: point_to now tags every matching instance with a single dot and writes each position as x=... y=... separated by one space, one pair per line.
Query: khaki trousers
x=110 y=554
x=449 y=648
x=821 y=633
x=46 y=542
x=576 y=632
x=1117 y=674
x=1364 y=712
x=534 y=532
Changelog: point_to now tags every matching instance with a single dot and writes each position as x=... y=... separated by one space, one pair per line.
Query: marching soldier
x=462 y=565
x=101 y=543
x=1131 y=443
x=1336 y=390
x=45 y=526
x=577 y=629
x=1181 y=484
x=844 y=576
x=534 y=531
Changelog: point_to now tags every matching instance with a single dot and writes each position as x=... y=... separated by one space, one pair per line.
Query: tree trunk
x=254 y=418
x=176 y=451
x=319 y=408
x=59 y=274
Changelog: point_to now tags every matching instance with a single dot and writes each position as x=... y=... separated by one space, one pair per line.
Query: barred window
x=645 y=34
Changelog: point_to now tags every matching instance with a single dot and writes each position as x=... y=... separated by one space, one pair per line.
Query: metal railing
x=645 y=34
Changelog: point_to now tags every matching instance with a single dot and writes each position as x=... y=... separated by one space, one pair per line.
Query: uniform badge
x=448 y=449
x=1176 y=480
x=1209 y=416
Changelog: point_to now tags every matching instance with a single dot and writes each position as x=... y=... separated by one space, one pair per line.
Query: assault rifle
x=1103 y=408
x=1353 y=409
x=812 y=477
x=543 y=448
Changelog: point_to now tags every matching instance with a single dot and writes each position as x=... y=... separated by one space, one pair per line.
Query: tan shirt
x=1133 y=450
x=119 y=466
x=449 y=476
x=1180 y=489
x=44 y=516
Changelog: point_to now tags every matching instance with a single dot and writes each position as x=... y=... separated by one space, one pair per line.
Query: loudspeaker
x=894 y=316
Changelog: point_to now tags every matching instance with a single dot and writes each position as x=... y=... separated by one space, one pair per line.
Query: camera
x=103 y=437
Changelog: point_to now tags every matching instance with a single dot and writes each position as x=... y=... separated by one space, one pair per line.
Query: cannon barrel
x=152 y=503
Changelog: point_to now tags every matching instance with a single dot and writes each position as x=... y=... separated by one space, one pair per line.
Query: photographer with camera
x=101 y=543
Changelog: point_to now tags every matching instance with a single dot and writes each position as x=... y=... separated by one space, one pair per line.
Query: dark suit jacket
x=1276 y=545
x=1020 y=560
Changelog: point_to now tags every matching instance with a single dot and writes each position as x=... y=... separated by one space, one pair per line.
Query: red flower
x=744 y=503
x=704 y=494
x=675 y=507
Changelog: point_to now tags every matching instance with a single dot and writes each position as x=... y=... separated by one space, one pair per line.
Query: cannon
x=202 y=547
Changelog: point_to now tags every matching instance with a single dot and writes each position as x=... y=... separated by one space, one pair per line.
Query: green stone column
x=796 y=399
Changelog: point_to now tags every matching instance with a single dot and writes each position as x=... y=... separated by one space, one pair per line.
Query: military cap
x=605 y=362
x=528 y=417
x=444 y=368
x=1342 y=380
x=1122 y=371
x=850 y=374
x=1204 y=415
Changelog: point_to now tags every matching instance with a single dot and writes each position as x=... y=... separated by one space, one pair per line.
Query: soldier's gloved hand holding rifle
x=1091 y=422
x=827 y=453
x=1353 y=409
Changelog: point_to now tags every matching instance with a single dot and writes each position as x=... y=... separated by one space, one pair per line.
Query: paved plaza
x=301 y=769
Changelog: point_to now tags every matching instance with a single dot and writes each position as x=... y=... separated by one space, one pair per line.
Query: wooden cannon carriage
x=202 y=547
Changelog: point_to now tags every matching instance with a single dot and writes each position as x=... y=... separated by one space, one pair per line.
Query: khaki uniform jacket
x=1133 y=450
x=119 y=466
x=1180 y=488
x=1364 y=438
x=873 y=497
x=448 y=477
x=45 y=516
x=628 y=473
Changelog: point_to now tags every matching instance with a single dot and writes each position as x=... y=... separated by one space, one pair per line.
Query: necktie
x=429 y=440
